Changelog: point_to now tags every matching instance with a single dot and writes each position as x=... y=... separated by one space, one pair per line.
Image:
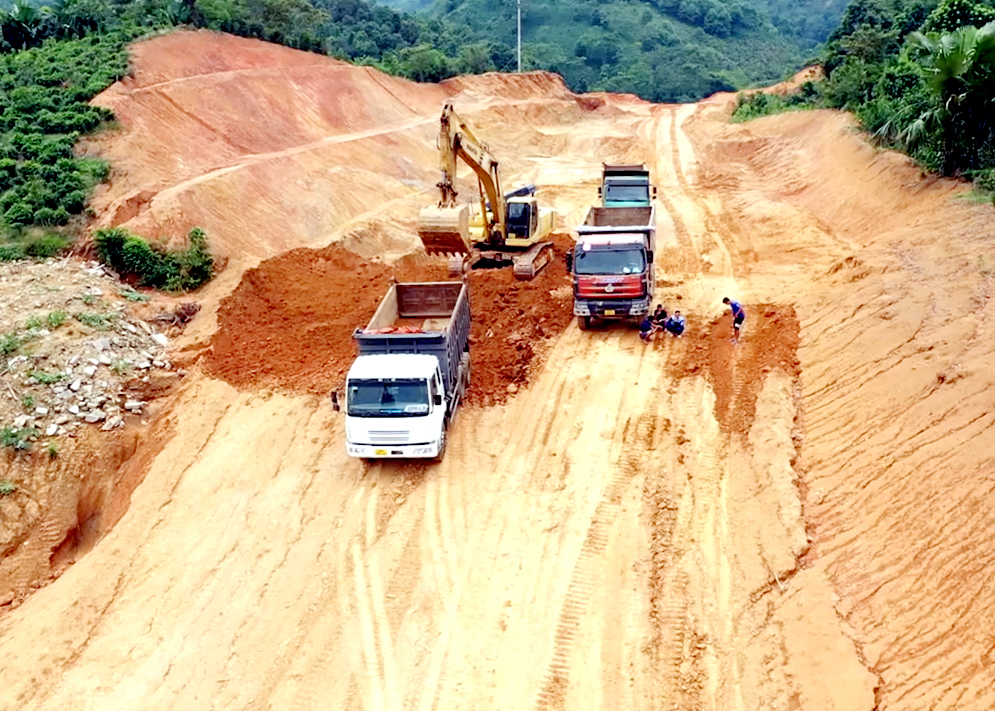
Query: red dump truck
x=612 y=264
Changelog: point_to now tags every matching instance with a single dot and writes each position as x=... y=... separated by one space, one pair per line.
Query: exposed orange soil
x=289 y=324
x=799 y=521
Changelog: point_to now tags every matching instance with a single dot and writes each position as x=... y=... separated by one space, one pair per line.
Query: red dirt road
x=800 y=521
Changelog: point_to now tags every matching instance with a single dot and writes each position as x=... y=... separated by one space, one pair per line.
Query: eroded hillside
x=799 y=521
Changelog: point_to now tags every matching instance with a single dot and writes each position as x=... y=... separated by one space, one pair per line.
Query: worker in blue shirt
x=738 y=315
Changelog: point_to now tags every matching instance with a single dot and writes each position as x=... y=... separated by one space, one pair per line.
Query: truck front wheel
x=584 y=322
x=442 y=447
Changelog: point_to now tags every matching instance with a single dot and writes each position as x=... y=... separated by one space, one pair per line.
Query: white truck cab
x=395 y=407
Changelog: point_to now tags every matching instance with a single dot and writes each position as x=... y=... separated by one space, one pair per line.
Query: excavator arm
x=456 y=141
x=445 y=229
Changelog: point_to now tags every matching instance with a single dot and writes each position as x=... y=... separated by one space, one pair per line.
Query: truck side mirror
x=335 y=401
x=599 y=191
x=569 y=259
x=437 y=399
x=654 y=192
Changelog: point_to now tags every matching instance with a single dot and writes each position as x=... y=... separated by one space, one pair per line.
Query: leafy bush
x=9 y=343
x=17 y=439
x=99 y=322
x=154 y=266
x=56 y=319
x=7 y=487
x=47 y=245
x=43 y=378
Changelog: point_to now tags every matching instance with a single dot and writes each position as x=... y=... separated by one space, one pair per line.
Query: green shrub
x=11 y=252
x=17 y=439
x=56 y=318
x=99 y=322
x=9 y=343
x=47 y=245
x=40 y=376
x=33 y=322
x=28 y=402
x=152 y=265
x=7 y=487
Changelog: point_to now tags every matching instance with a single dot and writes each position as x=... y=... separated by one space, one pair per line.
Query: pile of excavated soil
x=737 y=372
x=289 y=324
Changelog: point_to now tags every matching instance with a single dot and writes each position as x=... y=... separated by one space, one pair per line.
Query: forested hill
x=663 y=50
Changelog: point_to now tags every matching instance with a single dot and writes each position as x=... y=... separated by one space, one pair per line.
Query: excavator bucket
x=445 y=230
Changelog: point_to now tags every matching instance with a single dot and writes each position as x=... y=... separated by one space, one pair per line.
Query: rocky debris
x=72 y=347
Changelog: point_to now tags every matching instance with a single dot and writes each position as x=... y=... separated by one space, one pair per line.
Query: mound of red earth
x=289 y=324
x=737 y=372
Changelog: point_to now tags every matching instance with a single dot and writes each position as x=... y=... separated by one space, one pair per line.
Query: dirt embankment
x=686 y=525
x=289 y=324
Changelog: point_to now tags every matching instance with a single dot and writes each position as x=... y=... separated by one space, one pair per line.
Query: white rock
x=133 y=405
x=143 y=365
x=130 y=327
x=102 y=344
x=145 y=327
x=112 y=423
x=21 y=421
x=104 y=359
x=158 y=364
x=96 y=291
x=75 y=385
x=51 y=430
x=94 y=416
x=90 y=370
x=63 y=419
x=161 y=338
x=41 y=411
x=93 y=361
x=74 y=409
x=62 y=431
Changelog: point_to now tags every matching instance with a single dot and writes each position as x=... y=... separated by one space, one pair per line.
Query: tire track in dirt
x=589 y=562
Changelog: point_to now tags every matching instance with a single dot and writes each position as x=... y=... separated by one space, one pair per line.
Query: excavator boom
x=447 y=228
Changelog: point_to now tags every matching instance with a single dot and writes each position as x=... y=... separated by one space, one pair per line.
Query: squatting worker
x=647 y=328
x=660 y=316
x=675 y=324
x=738 y=314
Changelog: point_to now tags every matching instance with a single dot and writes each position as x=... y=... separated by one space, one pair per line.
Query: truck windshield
x=627 y=192
x=392 y=398
x=610 y=261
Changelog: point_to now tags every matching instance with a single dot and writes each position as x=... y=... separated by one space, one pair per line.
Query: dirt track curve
x=802 y=521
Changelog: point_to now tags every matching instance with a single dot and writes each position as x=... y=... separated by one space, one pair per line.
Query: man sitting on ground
x=675 y=324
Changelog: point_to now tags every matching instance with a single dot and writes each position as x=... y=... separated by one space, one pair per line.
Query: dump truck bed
x=426 y=317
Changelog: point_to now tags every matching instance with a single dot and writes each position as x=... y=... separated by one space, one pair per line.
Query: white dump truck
x=411 y=374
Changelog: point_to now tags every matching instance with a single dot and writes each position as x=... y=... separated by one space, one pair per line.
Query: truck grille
x=610 y=287
x=389 y=436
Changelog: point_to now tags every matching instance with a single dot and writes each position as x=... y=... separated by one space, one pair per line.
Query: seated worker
x=659 y=316
x=675 y=324
x=647 y=328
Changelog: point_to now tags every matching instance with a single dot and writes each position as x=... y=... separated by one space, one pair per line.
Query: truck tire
x=464 y=367
x=584 y=322
x=442 y=447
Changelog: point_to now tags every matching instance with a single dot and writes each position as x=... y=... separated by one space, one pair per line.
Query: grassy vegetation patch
x=154 y=265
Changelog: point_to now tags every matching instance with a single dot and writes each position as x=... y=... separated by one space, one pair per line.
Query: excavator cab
x=522 y=217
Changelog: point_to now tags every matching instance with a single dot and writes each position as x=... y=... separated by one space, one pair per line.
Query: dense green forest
x=919 y=75
x=663 y=50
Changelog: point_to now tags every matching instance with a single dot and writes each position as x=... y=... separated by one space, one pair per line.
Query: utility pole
x=519 y=36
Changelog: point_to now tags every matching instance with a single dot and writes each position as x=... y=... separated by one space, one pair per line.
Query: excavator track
x=530 y=263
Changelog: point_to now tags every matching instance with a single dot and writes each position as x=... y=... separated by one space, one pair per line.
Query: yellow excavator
x=502 y=229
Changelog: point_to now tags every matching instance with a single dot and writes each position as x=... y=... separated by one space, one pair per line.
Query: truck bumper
x=393 y=451
x=619 y=308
